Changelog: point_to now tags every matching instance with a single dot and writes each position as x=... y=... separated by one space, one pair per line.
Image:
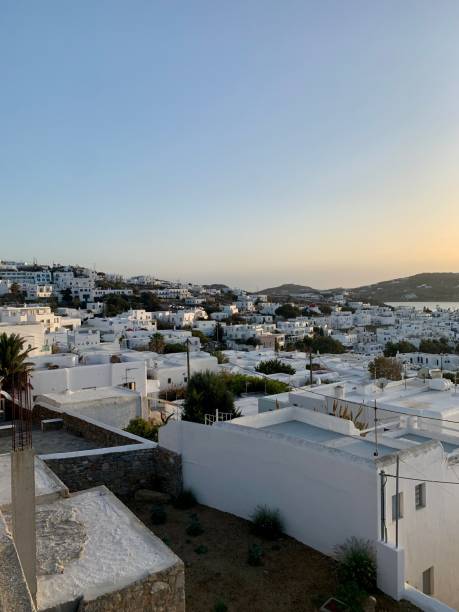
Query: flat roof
x=299 y=429
x=111 y=549
x=415 y=399
x=54 y=441
x=67 y=398
x=47 y=484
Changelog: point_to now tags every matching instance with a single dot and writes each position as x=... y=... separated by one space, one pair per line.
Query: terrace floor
x=54 y=441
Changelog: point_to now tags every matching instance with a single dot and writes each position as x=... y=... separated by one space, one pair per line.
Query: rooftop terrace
x=53 y=441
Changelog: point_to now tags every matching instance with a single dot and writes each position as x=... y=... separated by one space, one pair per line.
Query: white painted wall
x=324 y=494
x=90 y=376
x=429 y=536
x=323 y=498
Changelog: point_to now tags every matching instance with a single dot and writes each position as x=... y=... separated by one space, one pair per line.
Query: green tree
x=67 y=296
x=392 y=348
x=325 y=309
x=385 y=367
x=116 y=304
x=274 y=366
x=197 y=333
x=206 y=394
x=150 y=302
x=288 y=311
x=175 y=347
x=321 y=344
x=436 y=346
x=15 y=289
x=13 y=361
x=157 y=343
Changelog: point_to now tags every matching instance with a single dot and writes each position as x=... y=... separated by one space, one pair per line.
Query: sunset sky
x=243 y=142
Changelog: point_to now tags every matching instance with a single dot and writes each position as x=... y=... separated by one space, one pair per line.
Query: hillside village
x=309 y=402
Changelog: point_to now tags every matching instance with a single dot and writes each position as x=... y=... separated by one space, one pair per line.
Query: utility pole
x=376 y=453
x=310 y=367
x=188 y=360
x=397 y=499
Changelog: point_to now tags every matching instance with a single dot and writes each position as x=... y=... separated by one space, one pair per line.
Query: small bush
x=201 y=550
x=255 y=555
x=185 y=500
x=158 y=515
x=144 y=429
x=194 y=528
x=220 y=607
x=352 y=595
x=357 y=563
x=267 y=523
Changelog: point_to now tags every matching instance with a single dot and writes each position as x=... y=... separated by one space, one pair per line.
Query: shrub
x=274 y=366
x=352 y=595
x=220 y=606
x=194 y=528
x=240 y=383
x=267 y=523
x=174 y=347
x=221 y=358
x=357 y=563
x=255 y=555
x=201 y=550
x=185 y=500
x=144 y=429
x=158 y=515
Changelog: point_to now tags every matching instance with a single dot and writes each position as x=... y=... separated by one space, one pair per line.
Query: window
x=428 y=581
x=420 y=496
x=169 y=380
x=394 y=506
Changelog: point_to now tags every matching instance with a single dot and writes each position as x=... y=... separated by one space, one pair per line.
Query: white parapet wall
x=424 y=602
x=391 y=569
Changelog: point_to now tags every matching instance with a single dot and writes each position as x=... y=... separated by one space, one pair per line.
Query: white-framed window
x=396 y=506
x=420 y=496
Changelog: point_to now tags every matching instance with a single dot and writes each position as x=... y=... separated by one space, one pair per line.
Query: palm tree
x=13 y=361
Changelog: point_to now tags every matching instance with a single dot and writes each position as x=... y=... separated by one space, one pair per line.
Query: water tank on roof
x=440 y=384
x=339 y=392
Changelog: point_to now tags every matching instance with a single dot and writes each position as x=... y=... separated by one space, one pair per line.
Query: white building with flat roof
x=330 y=483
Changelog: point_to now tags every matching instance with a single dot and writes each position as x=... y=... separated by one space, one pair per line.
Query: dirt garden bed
x=293 y=577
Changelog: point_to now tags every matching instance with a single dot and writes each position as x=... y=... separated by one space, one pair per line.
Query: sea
x=429 y=305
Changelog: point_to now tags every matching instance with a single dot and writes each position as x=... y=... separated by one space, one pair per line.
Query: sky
x=248 y=142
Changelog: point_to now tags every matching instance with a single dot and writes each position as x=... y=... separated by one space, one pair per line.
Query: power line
x=421 y=479
x=358 y=404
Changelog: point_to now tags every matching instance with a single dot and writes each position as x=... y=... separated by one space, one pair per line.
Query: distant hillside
x=427 y=287
x=288 y=289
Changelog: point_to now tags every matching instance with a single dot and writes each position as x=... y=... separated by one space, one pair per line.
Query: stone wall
x=168 y=471
x=123 y=472
x=160 y=592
